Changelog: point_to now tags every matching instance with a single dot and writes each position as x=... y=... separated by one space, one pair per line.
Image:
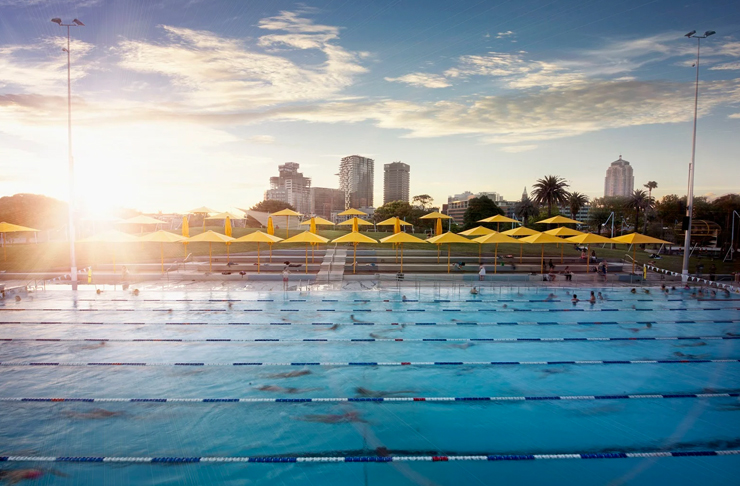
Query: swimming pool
x=440 y=388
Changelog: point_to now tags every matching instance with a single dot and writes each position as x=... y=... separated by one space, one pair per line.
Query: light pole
x=690 y=195
x=71 y=232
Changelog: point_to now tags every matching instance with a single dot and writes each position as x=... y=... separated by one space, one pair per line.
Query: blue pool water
x=538 y=377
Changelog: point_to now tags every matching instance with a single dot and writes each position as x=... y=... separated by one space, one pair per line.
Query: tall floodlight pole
x=690 y=195
x=71 y=232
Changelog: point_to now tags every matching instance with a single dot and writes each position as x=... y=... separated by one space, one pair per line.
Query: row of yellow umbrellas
x=12 y=228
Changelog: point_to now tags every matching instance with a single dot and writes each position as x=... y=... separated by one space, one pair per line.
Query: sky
x=180 y=104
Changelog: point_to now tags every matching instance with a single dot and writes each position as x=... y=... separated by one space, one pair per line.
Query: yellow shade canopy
x=286 y=212
x=224 y=215
x=14 y=228
x=559 y=220
x=477 y=231
x=542 y=238
x=499 y=218
x=354 y=238
x=360 y=222
x=141 y=219
x=435 y=215
x=520 y=231
x=112 y=236
x=258 y=237
x=202 y=210
x=563 y=231
x=392 y=221
x=588 y=238
x=352 y=212
x=638 y=239
x=162 y=236
x=496 y=238
x=306 y=237
x=210 y=237
x=317 y=220
x=402 y=238
x=448 y=237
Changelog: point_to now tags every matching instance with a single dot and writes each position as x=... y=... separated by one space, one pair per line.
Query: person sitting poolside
x=458 y=265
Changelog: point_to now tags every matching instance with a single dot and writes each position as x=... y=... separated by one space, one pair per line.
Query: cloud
x=32 y=3
x=734 y=115
x=422 y=80
x=262 y=139
x=726 y=66
x=501 y=35
x=514 y=149
x=214 y=73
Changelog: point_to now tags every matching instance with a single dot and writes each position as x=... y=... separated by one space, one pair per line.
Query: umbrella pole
x=542 y=261
x=114 y=259
x=562 y=249
x=306 y=257
x=634 y=254
x=588 y=257
x=227 y=253
x=185 y=245
x=258 y=257
x=438 y=249
x=448 y=257
x=210 y=265
x=270 y=252
x=161 y=254
x=312 y=246
x=287 y=230
x=396 y=252
x=354 y=260
x=521 y=250
x=401 y=245
x=495 y=258
x=480 y=257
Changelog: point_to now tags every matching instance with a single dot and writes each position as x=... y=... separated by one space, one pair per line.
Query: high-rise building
x=325 y=201
x=291 y=187
x=458 y=204
x=396 y=182
x=356 y=175
x=620 y=180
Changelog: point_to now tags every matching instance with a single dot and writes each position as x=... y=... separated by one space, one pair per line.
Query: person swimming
x=289 y=390
x=474 y=291
x=592 y=299
x=96 y=413
x=633 y=291
x=601 y=297
x=15 y=476
x=550 y=297
x=366 y=392
x=291 y=374
x=574 y=299
x=331 y=418
x=334 y=327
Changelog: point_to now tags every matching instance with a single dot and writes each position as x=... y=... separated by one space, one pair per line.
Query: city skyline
x=180 y=107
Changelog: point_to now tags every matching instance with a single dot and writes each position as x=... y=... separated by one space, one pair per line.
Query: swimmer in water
x=290 y=390
x=460 y=346
x=291 y=374
x=403 y=298
x=365 y=392
x=136 y=291
x=97 y=413
x=474 y=291
x=505 y=306
x=689 y=356
x=574 y=300
x=334 y=327
x=15 y=476
x=331 y=418
x=98 y=291
x=550 y=297
x=633 y=291
x=592 y=299
x=17 y=298
x=600 y=297
x=97 y=345
x=647 y=291
x=690 y=345
x=352 y=318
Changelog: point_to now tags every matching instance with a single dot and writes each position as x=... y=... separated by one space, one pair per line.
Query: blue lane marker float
x=365 y=459
x=567 y=309
x=640 y=396
x=379 y=363
x=378 y=340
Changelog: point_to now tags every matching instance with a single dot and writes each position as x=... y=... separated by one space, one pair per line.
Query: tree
x=650 y=186
x=33 y=210
x=576 y=201
x=424 y=201
x=550 y=191
x=640 y=202
x=401 y=209
x=671 y=209
x=271 y=206
x=479 y=208
x=525 y=209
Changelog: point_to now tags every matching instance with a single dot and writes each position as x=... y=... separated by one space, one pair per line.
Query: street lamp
x=72 y=254
x=690 y=196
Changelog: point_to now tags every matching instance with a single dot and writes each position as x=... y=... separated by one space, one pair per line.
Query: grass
x=54 y=256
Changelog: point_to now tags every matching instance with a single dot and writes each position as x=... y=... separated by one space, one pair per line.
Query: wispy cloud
x=262 y=139
x=502 y=35
x=422 y=80
x=515 y=149
x=727 y=66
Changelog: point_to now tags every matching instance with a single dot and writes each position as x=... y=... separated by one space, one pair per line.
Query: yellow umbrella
x=308 y=238
x=12 y=228
x=438 y=224
x=352 y=212
x=438 y=228
x=356 y=223
x=224 y=215
x=162 y=237
x=204 y=211
x=354 y=238
x=559 y=220
x=399 y=239
x=587 y=239
x=185 y=233
x=287 y=213
x=448 y=238
x=111 y=236
x=494 y=238
x=543 y=239
x=563 y=231
x=396 y=222
x=498 y=219
x=270 y=226
x=477 y=231
x=210 y=237
x=259 y=237
x=520 y=231
x=227 y=226
x=316 y=221
x=635 y=239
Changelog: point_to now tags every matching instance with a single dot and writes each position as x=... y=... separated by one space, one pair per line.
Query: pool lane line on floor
x=388 y=458
x=523 y=323
x=641 y=396
x=568 y=309
x=399 y=301
x=369 y=340
x=10 y=364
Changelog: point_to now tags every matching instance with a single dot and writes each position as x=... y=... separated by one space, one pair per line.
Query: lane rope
x=641 y=396
x=324 y=459
x=567 y=309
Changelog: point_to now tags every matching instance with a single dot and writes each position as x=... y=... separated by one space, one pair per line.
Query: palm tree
x=650 y=186
x=640 y=201
x=525 y=210
x=576 y=201
x=550 y=190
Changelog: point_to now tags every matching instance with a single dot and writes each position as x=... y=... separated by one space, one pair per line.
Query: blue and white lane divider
x=564 y=309
x=441 y=458
x=379 y=363
x=371 y=340
x=457 y=323
x=374 y=399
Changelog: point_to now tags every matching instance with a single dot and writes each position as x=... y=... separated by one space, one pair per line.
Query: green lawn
x=55 y=256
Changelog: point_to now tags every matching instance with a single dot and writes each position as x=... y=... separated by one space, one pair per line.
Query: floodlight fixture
x=57 y=20
x=78 y=22
x=708 y=33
